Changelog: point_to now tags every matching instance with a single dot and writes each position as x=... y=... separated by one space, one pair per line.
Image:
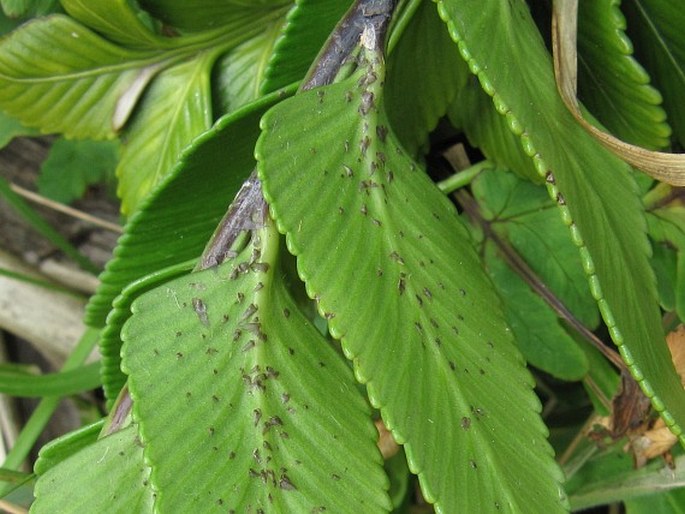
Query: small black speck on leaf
x=382 y=132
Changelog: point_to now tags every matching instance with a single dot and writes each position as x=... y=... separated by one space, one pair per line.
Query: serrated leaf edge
x=517 y=128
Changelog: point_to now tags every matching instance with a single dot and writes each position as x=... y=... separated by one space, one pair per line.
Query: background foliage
x=421 y=237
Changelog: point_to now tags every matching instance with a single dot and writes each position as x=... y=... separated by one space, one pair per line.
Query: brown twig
x=65 y=209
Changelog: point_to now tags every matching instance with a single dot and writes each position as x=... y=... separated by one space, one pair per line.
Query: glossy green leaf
x=306 y=28
x=224 y=367
x=72 y=166
x=119 y=21
x=398 y=278
x=178 y=218
x=209 y=14
x=425 y=73
x=542 y=340
x=174 y=110
x=110 y=474
x=240 y=74
x=595 y=191
x=65 y=446
x=655 y=27
x=57 y=75
x=113 y=379
x=611 y=83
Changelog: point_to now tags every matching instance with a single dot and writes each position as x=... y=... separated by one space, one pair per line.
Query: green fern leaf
x=394 y=271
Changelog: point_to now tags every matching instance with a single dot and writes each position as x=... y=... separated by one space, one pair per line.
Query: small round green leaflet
x=236 y=392
x=395 y=273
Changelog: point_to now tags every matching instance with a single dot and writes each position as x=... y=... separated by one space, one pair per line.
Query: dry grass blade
x=70 y=211
x=666 y=167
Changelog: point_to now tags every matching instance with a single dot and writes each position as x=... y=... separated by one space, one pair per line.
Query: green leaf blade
x=117 y=20
x=275 y=420
x=595 y=191
x=58 y=76
x=111 y=478
x=655 y=27
x=174 y=110
x=397 y=277
x=170 y=228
